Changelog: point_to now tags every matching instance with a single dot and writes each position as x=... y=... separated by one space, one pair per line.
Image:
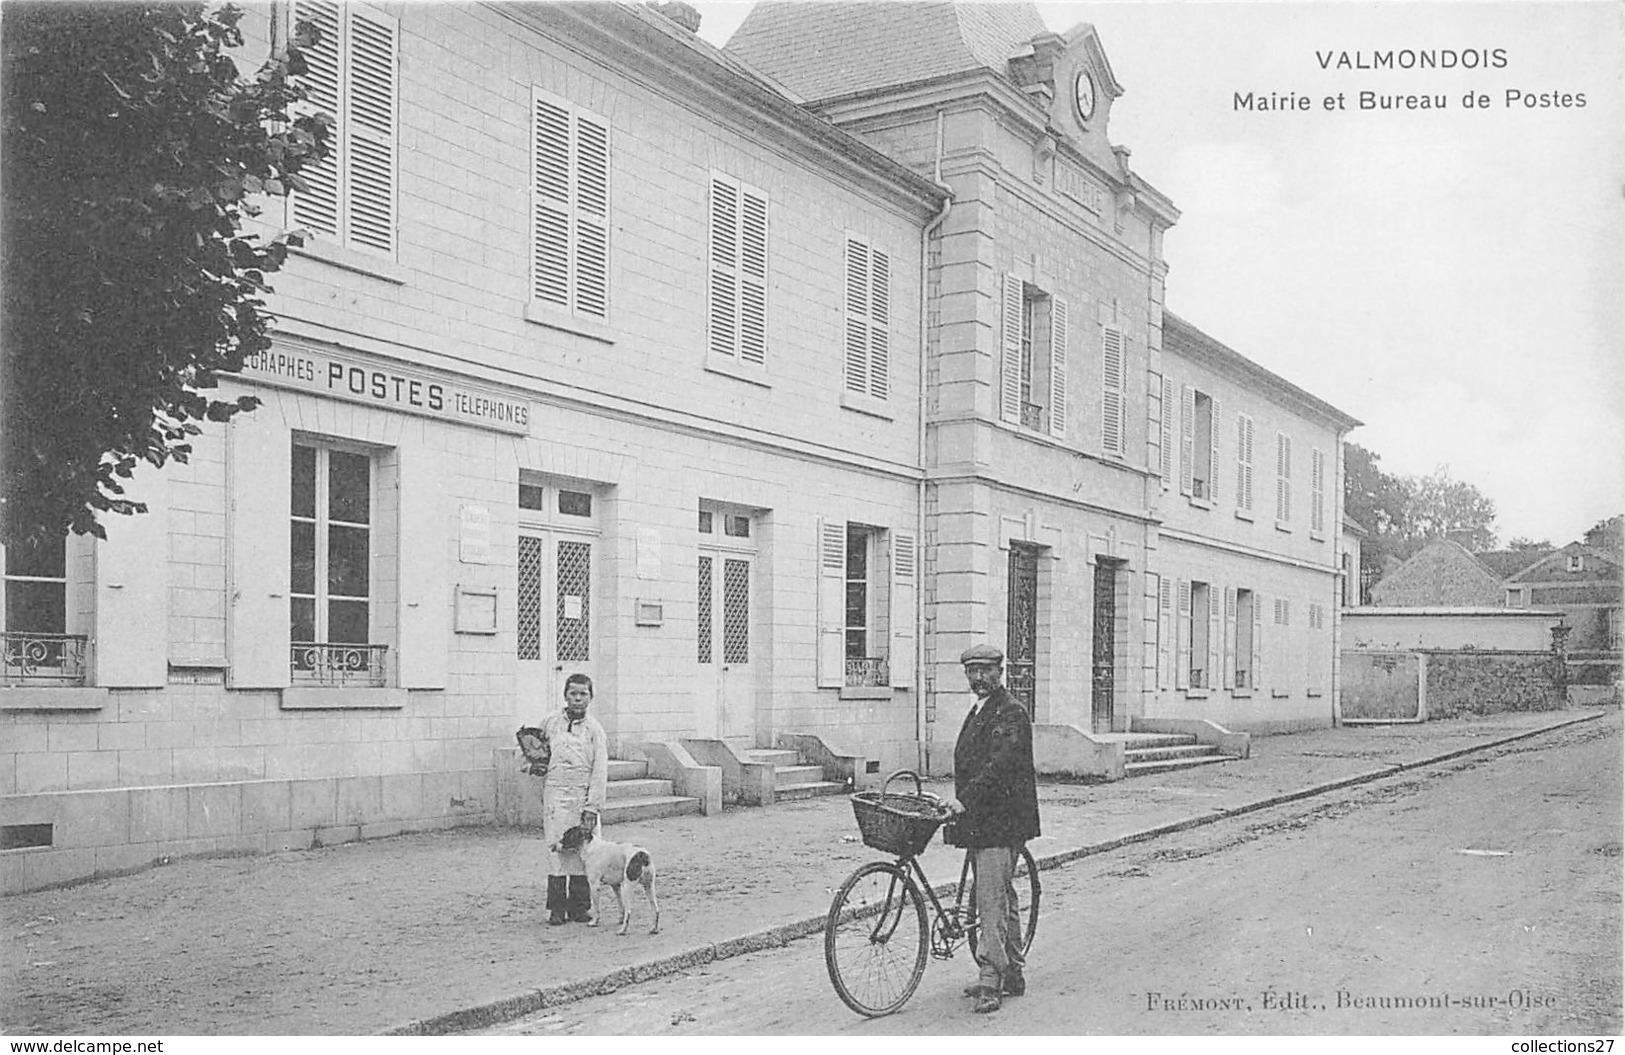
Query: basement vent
x=197 y=675
x=872 y=766
x=24 y=836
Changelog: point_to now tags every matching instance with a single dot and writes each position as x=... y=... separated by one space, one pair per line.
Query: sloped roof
x=1508 y=562
x=1182 y=338
x=1599 y=564
x=1442 y=573
x=821 y=50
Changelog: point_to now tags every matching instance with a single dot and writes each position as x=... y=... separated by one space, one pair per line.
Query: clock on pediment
x=1083 y=95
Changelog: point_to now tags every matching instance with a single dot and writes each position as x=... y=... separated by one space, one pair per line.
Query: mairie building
x=755 y=383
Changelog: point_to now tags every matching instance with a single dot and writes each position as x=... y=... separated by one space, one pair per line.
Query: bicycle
x=876 y=937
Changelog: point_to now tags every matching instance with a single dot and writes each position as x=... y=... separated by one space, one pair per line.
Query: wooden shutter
x=1148 y=617
x=1153 y=423
x=1182 y=631
x=259 y=449
x=1215 y=636
x=1258 y=641
x=1059 y=329
x=857 y=315
x=1111 y=391
x=1214 y=461
x=591 y=216
x=369 y=118
x=723 y=311
x=1244 y=463
x=1187 y=439
x=1283 y=477
x=1229 y=637
x=1010 y=352
x=879 y=324
x=1167 y=433
x=753 y=278
x=1165 y=633
x=132 y=590
x=831 y=603
x=423 y=646
x=550 y=202
x=904 y=581
x=1317 y=490
x=317 y=206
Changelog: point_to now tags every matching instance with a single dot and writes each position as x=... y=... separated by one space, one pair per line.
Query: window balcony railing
x=329 y=663
x=1241 y=679
x=1198 y=487
x=44 y=659
x=1032 y=416
x=1198 y=678
x=866 y=672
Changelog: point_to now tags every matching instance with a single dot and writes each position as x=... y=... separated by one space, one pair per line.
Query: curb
x=530 y=1001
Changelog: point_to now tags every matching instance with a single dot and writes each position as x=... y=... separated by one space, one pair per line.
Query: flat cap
x=981 y=654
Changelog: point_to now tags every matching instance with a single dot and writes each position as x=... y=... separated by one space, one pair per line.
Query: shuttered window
x=1317 y=491
x=868 y=319
x=569 y=232
x=1283 y=478
x=737 y=272
x=1167 y=433
x=1033 y=349
x=1244 y=463
x=352 y=76
x=1111 y=391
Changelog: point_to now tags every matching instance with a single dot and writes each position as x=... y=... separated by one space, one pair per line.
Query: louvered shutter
x=1317 y=490
x=857 y=316
x=1059 y=330
x=316 y=207
x=369 y=112
x=1182 y=630
x=1258 y=640
x=592 y=216
x=1229 y=637
x=1167 y=433
x=1153 y=423
x=1244 y=463
x=831 y=603
x=1010 y=352
x=1165 y=633
x=723 y=313
x=753 y=278
x=1148 y=620
x=1111 y=391
x=879 y=324
x=904 y=581
x=550 y=203
x=1187 y=439
x=1215 y=636
x=1283 y=477
x=1214 y=461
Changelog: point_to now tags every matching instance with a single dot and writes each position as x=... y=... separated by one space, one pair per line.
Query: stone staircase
x=791 y=779
x=633 y=795
x=1164 y=752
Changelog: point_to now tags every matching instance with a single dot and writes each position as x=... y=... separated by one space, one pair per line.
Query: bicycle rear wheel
x=876 y=939
x=1028 y=890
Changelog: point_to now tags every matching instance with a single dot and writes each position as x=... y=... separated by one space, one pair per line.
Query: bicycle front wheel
x=876 y=939
x=1027 y=893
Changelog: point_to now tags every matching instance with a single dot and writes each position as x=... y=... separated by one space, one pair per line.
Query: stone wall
x=1493 y=682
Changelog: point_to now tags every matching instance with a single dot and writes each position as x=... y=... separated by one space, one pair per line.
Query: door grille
x=736 y=611
x=574 y=561
x=703 y=629
x=530 y=597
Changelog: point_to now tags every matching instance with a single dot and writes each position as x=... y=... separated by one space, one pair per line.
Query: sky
x=1455 y=278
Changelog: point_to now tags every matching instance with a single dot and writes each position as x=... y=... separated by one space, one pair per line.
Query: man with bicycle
x=995 y=807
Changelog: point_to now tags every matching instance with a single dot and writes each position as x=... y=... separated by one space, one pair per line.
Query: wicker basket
x=895 y=823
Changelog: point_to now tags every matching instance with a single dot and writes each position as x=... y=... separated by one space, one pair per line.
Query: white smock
x=577 y=778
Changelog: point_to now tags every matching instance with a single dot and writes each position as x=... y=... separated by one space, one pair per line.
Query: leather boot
x=580 y=900
x=557 y=900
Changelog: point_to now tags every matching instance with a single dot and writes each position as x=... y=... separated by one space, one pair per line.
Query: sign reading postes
x=391 y=388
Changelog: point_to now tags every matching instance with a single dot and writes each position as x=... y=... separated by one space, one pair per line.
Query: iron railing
x=333 y=663
x=44 y=659
x=869 y=671
x=1032 y=416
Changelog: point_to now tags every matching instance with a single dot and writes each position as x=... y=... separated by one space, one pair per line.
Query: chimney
x=684 y=15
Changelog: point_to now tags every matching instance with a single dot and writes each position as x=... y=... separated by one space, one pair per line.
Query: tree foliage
x=1443 y=507
x=134 y=153
x=1608 y=534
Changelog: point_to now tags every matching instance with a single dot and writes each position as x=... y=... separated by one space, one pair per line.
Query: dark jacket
x=993 y=776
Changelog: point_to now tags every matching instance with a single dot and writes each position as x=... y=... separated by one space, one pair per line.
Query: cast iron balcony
x=330 y=663
x=44 y=659
x=869 y=671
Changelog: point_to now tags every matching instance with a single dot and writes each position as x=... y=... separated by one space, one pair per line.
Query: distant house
x=1441 y=573
x=1583 y=583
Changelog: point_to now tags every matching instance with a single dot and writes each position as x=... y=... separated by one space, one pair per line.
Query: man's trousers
x=999 y=951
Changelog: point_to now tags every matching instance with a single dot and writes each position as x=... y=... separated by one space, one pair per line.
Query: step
x=647 y=807
x=1155 y=754
x=813 y=790
x=771 y=756
x=1138 y=740
x=788 y=776
x=640 y=788
x=627 y=769
x=1140 y=769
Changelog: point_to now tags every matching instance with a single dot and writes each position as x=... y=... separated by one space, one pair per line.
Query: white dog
x=612 y=864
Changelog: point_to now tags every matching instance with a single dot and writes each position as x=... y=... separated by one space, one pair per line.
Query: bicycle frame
x=947 y=922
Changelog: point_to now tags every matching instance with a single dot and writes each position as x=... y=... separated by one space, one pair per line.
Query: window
x=1197 y=444
x=1033 y=359
x=350 y=196
x=1577 y=562
x=575 y=503
x=1241 y=638
x=1200 y=672
x=860 y=542
x=38 y=648
x=330 y=604
x=569 y=207
x=736 y=526
x=737 y=312
x=1244 y=464
x=865 y=606
x=1283 y=479
x=868 y=319
x=1317 y=493
x=1113 y=349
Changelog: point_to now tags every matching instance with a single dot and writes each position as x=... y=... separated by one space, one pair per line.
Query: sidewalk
x=445 y=931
